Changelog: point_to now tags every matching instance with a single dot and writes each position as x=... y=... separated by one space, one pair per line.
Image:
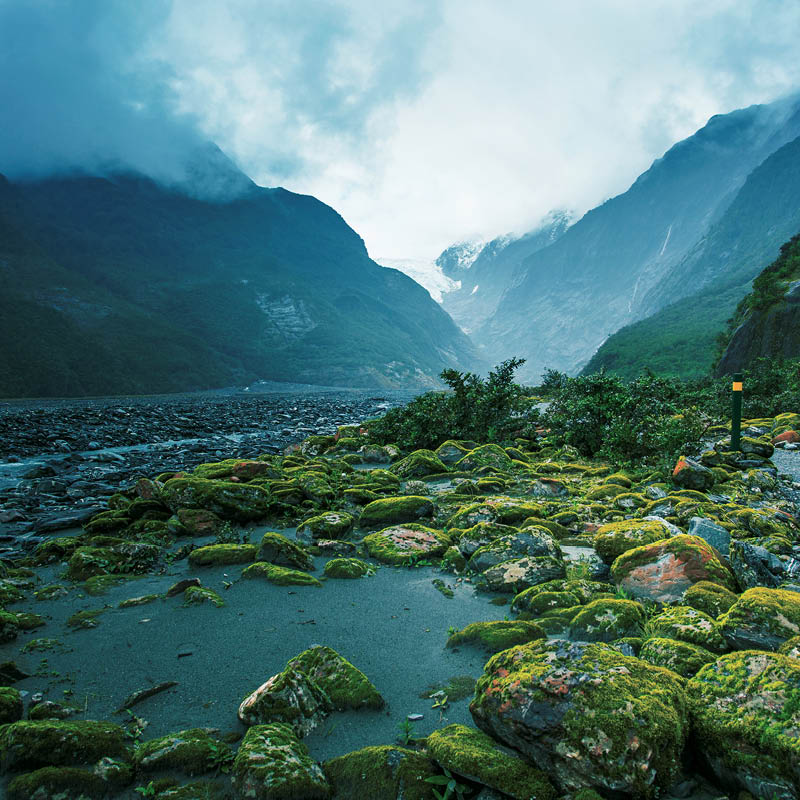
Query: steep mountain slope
x=681 y=338
x=767 y=321
x=570 y=296
x=485 y=276
x=114 y=285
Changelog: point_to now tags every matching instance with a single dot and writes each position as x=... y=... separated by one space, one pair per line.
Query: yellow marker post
x=736 y=417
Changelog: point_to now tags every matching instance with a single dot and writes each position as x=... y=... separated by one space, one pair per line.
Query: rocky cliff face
x=767 y=322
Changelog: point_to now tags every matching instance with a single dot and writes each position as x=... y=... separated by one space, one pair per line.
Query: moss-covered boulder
x=192 y=752
x=586 y=714
x=616 y=538
x=277 y=549
x=474 y=755
x=219 y=555
x=281 y=576
x=606 y=620
x=240 y=469
x=449 y=452
x=540 y=604
x=663 y=571
x=9 y=626
x=289 y=697
x=58 y=783
x=10 y=704
x=404 y=544
x=497 y=635
x=195 y=522
x=511 y=577
x=745 y=711
x=240 y=502
x=346 y=686
x=487 y=455
x=791 y=648
x=381 y=773
x=348 y=568
x=480 y=535
x=762 y=619
x=330 y=525
x=393 y=510
x=505 y=510
x=418 y=464
x=692 y=474
x=201 y=595
x=528 y=542
x=710 y=598
x=87 y=562
x=47 y=743
x=682 y=657
x=272 y=764
x=687 y=624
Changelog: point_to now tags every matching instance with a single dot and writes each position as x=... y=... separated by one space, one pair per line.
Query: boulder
x=392 y=510
x=418 y=464
x=712 y=533
x=272 y=764
x=586 y=714
x=330 y=525
x=511 y=577
x=240 y=502
x=528 y=542
x=195 y=522
x=487 y=455
x=496 y=635
x=663 y=571
x=746 y=716
x=280 y=576
x=711 y=598
x=348 y=568
x=192 y=752
x=216 y=555
x=754 y=565
x=404 y=544
x=691 y=474
x=482 y=534
x=607 y=620
x=762 y=619
x=616 y=538
x=682 y=657
x=277 y=549
x=475 y=756
x=384 y=772
x=687 y=624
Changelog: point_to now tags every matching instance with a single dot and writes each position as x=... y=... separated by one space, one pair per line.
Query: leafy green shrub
x=483 y=410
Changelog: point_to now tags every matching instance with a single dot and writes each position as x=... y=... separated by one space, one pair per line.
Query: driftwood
x=137 y=697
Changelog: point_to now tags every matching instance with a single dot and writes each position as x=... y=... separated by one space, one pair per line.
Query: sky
x=423 y=122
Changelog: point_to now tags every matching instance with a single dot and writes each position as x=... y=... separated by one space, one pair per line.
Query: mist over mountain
x=605 y=271
x=119 y=284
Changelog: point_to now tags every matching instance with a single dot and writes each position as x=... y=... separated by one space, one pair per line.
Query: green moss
x=392 y=510
x=380 y=773
x=604 y=491
x=418 y=464
x=86 y=619
x=29 y=622
x=606 y=620
x=64 y=783
x=539 y=603
x=10 y=704
x=217 y=555
x=29 y=745
x=107 y=522
x=272 y=764
x=330 y=525
x=583 y=591
x=762 y=618
x=471 y=753
x=500 y=509
x=41 y=645
x=687 y=624
x=282 y=576
x=443 y=588
x=345 y=685
x=199 y=595
x=402 y=545
x=791 y=647
x=240 y=502
x=197 y=790
x=277 y=549
x=700 y=560
x=192 y=752
x=710 y=598
x=87 y=562
x=497 y=635
x=682 y=657
x=592 y=703
x=487 y=455
x=348 y=568
x=100 y=584
x=746 y=713
x=139 y=601
x=50 y=592
x=616 y=538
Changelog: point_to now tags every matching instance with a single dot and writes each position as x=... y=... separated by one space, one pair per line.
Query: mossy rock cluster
x=497 y=635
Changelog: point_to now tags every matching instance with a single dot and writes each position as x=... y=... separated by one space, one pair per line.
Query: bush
x=483 y=410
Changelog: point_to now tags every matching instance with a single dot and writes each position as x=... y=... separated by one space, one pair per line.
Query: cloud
x=422 y=122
